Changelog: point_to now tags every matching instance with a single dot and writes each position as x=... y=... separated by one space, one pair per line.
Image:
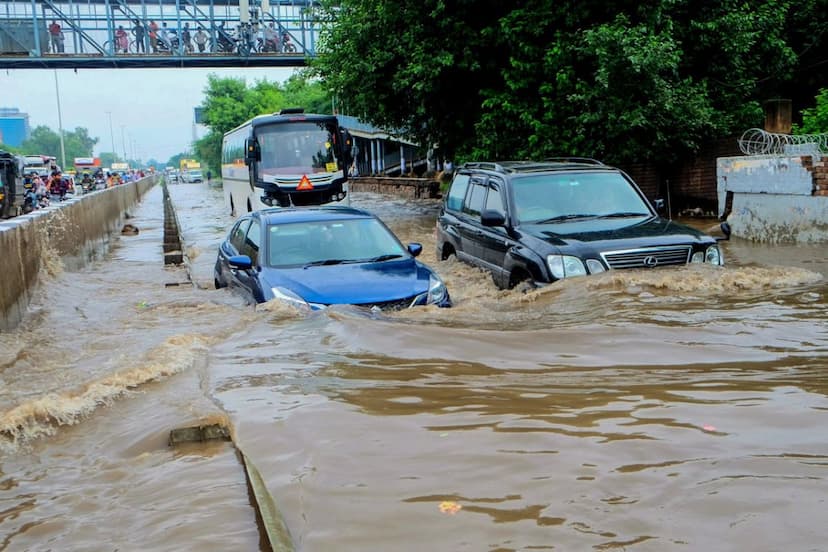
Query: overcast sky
x=154 y=106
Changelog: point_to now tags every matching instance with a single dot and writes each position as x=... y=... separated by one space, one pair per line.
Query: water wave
x=43 y=416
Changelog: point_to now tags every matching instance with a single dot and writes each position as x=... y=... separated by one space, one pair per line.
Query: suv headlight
x=565 y=266
x=712 y=255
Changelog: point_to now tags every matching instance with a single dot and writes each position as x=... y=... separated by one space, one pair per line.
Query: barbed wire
x=756 y=141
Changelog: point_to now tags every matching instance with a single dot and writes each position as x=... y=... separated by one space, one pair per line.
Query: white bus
x=287 y=158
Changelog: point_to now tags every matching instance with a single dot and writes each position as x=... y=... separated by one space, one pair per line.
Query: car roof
x=282 y=215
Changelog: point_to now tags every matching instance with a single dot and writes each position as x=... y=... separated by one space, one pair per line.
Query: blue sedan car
x=312 y=257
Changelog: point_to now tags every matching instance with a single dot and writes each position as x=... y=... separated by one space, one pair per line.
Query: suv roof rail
x=484 y=165
x=588 y=160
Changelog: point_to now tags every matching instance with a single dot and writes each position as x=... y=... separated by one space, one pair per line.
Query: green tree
x=45 y=141
x=815 y=119
x=230 y=102
x=621 y=81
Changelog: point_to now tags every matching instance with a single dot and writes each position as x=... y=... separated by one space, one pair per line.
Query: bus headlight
x=565 y=266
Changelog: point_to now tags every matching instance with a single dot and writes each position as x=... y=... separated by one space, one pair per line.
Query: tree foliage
x=230 y=102
x=815 y=119
x=45 y=141
x=622 y=81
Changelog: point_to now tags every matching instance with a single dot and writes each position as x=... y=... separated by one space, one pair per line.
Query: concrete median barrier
x=62 y=229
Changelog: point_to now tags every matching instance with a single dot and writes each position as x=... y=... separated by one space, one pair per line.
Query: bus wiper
x=326 y=262
x=625 y=214
x=386 y=257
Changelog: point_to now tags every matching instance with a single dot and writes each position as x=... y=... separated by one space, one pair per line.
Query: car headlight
x=289 y=297
x=436 y=290
x=565 y=266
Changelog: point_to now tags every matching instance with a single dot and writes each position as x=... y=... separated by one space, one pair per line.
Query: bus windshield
x=295 y=148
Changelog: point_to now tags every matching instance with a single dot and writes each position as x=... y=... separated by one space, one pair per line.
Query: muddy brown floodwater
x=659 y=410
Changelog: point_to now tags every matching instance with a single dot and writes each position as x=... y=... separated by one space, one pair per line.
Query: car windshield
x=331 y=242
x=568 y=196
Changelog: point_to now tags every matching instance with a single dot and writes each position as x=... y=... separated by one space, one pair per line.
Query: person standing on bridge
x=201 y=39
x=153 y=35
x=122 y=40
x=56 y=36
x=186 y=39
x=138 y=31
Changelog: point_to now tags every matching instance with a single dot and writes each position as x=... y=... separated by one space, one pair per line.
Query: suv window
x=237 y=238
x=476 y=198
x=494 y=201
x=454 y=200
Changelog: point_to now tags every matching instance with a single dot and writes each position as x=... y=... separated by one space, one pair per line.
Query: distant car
x=314 y=257
x=193 y=177
x=533 y=223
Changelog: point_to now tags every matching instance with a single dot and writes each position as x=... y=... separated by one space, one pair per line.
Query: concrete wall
x=775 y=198
x=779 y=218
x=413 y=188
x=64 y=228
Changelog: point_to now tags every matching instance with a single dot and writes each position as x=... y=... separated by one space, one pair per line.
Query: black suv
x=537 y=222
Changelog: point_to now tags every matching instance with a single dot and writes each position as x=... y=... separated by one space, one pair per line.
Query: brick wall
x=692 y=183
x=819 y=172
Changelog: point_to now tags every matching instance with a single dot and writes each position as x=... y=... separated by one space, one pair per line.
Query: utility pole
x=112 y=135
x=60 y=125
x=123 y=142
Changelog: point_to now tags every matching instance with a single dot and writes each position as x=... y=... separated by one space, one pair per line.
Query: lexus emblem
x=650 y=261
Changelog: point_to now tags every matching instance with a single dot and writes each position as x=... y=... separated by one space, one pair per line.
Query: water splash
x=43 y=416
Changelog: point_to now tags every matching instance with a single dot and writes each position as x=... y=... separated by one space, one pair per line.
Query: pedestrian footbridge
x=190 y=33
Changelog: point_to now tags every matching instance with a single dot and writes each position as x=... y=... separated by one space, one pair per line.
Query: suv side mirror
x=490 y=217
x=725 y=230
x=659 y=205
x=252 y=152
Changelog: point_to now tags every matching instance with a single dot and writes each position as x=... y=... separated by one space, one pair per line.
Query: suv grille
x=648 y=258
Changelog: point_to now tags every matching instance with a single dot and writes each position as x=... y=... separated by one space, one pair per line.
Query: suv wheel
x=522 y=281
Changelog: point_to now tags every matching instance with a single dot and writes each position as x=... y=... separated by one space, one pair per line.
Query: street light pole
x=60 y=125
x=112 y=135
x=123 y=142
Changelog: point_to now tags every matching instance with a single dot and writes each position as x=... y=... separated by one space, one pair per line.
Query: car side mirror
x=725 y=230
x=240 y=262
x=491 y=217
x=415 y=249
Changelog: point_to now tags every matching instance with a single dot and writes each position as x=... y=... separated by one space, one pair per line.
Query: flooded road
x=667 y=410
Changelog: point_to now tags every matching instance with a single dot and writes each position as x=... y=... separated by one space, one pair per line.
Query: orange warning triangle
x=305 y=183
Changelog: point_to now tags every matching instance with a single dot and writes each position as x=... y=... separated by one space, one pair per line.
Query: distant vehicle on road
x=12 y=191
x=192 y=176
x=313 y=257
x=533 y=223
x=41 y=164
x=285 y=159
